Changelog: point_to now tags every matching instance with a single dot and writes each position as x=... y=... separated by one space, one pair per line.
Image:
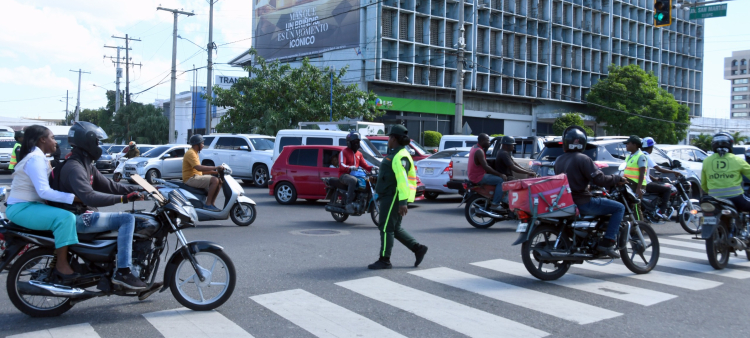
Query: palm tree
x=703 y=141
x=739 y=139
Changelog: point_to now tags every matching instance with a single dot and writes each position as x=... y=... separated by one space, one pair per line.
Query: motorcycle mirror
x=622 y=166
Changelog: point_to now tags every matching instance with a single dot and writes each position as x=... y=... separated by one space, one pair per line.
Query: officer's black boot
x=419 y=252
x=382 y=263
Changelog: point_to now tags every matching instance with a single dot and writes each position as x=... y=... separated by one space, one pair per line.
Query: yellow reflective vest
x=632 y=171
x=13 y=158
x=406 y=181
x=722 y=175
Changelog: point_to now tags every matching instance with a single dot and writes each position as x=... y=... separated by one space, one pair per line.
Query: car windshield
x=380 y=145
x=262 y=143
x=154 y=152
x=115 y=149
x=7 y=143
x=418 y=148
x=550 y=153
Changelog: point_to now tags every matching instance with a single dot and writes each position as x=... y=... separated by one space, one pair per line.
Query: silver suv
x=160 y=162
x=249 y=155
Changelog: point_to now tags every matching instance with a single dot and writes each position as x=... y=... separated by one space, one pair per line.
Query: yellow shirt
x=188 y=165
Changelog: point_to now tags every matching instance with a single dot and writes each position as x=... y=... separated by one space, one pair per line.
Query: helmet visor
x=575 y=146
x=100 y=133
x=721 y=138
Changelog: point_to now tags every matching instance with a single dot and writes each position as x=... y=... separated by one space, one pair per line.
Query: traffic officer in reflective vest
x=722 y=172
x=636 y=165
x=13 y=159
x=396 y=187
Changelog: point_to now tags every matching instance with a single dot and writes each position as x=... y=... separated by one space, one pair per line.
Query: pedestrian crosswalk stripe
x=603 y=288
x=654 y=276
x=455 y=316
x=690 y=237
x=321 y=317
x=702 y=256
x=690 y=245
x=572 y=310
x=182 y=322
x=71 y=331
x=703 y=268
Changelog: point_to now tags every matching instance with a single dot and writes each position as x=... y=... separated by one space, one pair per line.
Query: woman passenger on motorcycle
x=30 y=191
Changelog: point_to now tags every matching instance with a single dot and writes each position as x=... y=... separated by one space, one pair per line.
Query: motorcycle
x=200 y=275
x=3 y=222
x=236 y=205
x=365 y=198
x=725 y=230
x=551 y=244
x=478 y=199
x=688 y=209
x=117 y=173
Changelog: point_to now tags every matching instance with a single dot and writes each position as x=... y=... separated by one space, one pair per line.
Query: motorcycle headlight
x=141 y=164
x=191 y=211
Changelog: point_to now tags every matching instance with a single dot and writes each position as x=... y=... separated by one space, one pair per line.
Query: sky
x=44 y=39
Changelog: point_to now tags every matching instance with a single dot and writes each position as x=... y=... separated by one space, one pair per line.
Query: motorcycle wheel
x=187 y=288
x=717 y=248
x=475 y=202
x=35 y=264
x=116 y=177
x=375 y=214
x=341 y=218
x=544 y=237
x=631 y=247
x=242 y=214
x=689 y=222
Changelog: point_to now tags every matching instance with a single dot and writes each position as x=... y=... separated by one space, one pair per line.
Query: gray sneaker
x=128 y=281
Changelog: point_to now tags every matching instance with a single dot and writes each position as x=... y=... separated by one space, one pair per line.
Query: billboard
x=291 y=28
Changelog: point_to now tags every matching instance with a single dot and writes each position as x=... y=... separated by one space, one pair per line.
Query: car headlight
x=142 y=164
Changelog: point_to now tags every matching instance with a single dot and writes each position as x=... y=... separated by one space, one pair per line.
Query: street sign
x=712 y=11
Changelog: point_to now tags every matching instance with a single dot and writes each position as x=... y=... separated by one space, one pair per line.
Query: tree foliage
x=739 y=138
x=277 y=96
x=703 y=141
x=143 y=123
x=567 y=120
x=633 y=90
x=432 y=138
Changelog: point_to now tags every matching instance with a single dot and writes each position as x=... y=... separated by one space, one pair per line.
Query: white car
x=161 y=162
x=6 y=148
x=691 y=157
x=434 y=172
x=249 y=155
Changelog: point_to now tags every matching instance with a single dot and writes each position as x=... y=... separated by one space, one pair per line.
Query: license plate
x=551 y=171
x=429 y=171
x=709 y=220
x=522 y=227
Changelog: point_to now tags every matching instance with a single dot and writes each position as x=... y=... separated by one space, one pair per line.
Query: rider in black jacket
x=78 y=175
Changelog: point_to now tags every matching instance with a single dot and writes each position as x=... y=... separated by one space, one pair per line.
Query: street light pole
x=209 y=90
x=174 y=70
x=78 y=101
x=460 y=71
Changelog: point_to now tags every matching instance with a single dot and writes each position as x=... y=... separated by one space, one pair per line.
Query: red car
x=298 y=173
x=380 y=143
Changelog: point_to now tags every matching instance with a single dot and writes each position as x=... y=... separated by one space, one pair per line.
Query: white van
x=363 y=128
x=457 y=141
x=306 y=137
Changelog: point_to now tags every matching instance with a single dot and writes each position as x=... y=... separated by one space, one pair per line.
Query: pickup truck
x=527 y=148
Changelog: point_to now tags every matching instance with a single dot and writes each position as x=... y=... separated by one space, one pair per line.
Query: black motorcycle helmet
x=86 y=136
x=352 y=141
x=196 y=139
x=574 y=139
x=722 y=143
x=508 y=140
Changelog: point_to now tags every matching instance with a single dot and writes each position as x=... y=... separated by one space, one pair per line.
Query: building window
x=739 y=115
x=739 y=105
x=739 y=89
x=744 y=71
x=734 y=63
x=739 y=81
x=739 y=97
x=743 y=62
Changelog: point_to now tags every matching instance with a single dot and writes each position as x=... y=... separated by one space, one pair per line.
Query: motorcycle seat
x=81 y=237
x=195 y=191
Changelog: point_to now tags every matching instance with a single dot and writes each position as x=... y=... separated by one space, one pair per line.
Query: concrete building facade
x=737 y=70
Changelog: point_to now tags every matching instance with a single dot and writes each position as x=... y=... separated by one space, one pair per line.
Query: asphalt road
x=307 y=286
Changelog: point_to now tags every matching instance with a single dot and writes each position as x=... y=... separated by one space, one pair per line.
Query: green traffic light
x=659 y=16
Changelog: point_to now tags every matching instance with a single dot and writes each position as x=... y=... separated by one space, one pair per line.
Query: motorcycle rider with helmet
x=350 y=159
x=133 y=151
x=504 y=162
x=582 y=171
x=77 y=175
x=653 y=186
x=722 y=172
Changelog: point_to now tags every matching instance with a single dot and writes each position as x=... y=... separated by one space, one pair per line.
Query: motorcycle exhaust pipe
x=36 y=288
x=487 y=213
x=560 y=256
x=737 y=244
x=337 y=210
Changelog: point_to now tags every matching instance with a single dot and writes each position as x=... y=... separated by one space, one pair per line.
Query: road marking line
x=71 y=331
x=691 y=245
x=455 y=316
x=680 y=281
x=603 y=288
x=182 y=322
x=689 y=237
x=571 y=310
x=702 y=256
x=703 y=268
x=321 y=317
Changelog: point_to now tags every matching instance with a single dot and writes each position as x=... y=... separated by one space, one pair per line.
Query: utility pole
x=460 y=71
x=175 y=12
x=117 y=77
x=66 y=106
x=127 y=66
x=78 y=101
x=209 y=91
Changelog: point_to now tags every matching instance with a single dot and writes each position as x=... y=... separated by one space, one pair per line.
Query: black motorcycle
x=725 y=230
x=365 y=199
x=551 y=245
x=200 y=274
x=688 y=210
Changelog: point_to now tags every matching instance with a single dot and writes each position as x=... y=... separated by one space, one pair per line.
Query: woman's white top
x=31 y=181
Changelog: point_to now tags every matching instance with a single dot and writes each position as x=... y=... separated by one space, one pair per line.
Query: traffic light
x=662 y=13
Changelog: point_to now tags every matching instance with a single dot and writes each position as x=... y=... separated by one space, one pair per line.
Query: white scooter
x=117 y=173
x=236 y=205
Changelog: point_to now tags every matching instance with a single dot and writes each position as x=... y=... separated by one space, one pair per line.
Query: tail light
x=523 y=216
x=450 y=170
x=601 y=165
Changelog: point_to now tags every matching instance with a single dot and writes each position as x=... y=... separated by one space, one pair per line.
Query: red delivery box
x=544 y=197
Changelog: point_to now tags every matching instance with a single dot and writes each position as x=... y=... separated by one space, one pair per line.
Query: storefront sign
x=416 y=106
x=292 y=28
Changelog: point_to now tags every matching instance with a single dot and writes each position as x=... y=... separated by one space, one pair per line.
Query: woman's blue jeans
x=124 y=223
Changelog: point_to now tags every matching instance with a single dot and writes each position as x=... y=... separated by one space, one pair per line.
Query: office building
x=736 y=70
